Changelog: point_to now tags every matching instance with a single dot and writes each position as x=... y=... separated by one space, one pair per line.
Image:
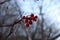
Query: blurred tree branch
x=50 y=31
x=55 y=37
x=18 y=21
x=4 y=2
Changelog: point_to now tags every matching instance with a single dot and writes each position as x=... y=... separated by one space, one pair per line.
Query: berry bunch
x=28 y=20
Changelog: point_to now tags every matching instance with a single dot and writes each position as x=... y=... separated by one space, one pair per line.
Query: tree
x=44 y=34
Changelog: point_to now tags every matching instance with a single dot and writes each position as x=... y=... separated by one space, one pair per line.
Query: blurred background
x=47 y=27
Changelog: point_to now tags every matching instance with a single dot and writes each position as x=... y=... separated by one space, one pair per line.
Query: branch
x=33 y=35
x=42 y=26
x=4 y=2
x=50 y=31
x=55 y=37
x=11 y=24
x=11 y=31
x=42 y=23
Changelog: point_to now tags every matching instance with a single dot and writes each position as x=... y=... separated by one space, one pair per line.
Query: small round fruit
x=27 y=24
x=23 y=17
x=36 y=17
x=32 y=15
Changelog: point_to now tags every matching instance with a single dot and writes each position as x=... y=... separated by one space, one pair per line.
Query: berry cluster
x=28 y=20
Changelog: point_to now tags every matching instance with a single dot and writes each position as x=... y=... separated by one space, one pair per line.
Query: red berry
x=23 y=17
x=26 y=17
x=27 y=24
x=32 y=18
x=32 y=15
x=36 y=17
x=27 y=20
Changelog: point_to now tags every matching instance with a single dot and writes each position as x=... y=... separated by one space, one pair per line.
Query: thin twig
x=11 y=24
x=55 y=37
x=4 y=2
x=50 y=31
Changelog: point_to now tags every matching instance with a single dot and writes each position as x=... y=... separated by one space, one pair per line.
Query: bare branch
x=55 y=37
x=4 y=2
x=11 y=24
x=50 y=31
x=11 y=31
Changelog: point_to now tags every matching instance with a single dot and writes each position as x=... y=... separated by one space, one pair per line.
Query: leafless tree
x=40 y=23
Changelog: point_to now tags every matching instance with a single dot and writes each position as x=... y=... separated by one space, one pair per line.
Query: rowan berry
x=36 y=17
x=32 y=15
x=23 y=17
x=27 y=20
x=27 y=24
